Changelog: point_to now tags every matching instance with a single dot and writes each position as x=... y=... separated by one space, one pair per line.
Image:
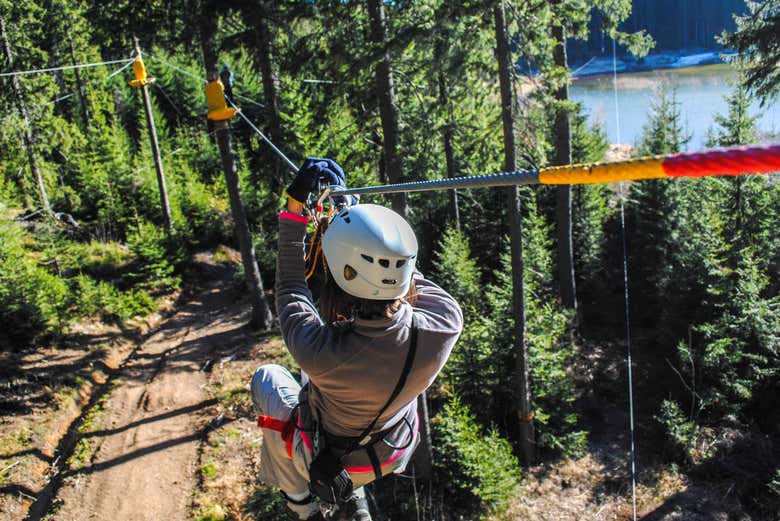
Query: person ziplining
x=228 y=80
x=318 y=478
x=377 y=340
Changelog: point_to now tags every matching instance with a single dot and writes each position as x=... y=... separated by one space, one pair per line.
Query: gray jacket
x=354 y=372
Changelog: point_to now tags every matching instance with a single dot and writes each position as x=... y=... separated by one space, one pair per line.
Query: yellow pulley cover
x=215 y=99
x=139 y=70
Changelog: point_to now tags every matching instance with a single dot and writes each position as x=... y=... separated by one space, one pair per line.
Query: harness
x=366 y=440
x=285 y=428
x=348 y=445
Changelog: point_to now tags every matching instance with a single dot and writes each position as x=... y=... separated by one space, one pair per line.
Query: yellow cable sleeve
x=645 y=168
x=285 y=194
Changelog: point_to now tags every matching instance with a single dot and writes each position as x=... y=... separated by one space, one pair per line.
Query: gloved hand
x=313 y=170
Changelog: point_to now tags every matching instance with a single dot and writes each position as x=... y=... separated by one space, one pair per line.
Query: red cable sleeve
x=734 y=161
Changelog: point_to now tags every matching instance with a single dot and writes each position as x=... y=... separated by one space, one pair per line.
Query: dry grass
x=585 y=489
x=230 y=458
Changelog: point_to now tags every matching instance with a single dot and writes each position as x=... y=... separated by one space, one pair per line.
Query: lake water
x=700 y=92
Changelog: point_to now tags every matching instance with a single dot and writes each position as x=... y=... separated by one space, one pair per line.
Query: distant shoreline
x=598 y=66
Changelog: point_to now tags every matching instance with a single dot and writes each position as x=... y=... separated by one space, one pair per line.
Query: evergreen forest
x=123 y=255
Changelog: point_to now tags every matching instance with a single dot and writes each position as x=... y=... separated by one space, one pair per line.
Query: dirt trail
x=143 y=447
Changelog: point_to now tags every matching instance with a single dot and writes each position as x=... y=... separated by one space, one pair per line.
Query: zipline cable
x=201 y=79
x=625 y=293
x=726 y=161
x=72 y=93
x=119 y=70
x=292 y=165
x=615 y=89
x=65 y=67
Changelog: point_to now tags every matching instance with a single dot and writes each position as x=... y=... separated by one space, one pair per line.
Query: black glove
x=314 y=170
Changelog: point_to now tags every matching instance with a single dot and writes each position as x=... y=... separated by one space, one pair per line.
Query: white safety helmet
x=371 y=252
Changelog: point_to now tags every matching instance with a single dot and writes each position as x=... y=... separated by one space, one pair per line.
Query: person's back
x=356 y=370
x=379 y=339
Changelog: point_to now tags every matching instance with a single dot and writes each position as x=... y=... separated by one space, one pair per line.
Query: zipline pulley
x=139 y=70
x=216 y=102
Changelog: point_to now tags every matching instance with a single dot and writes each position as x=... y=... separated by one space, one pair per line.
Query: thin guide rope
x=615 y=89
x=32 y=108
x=307 y=80
x=74 y=92
x=625 y=294
x=628 y=360
x=65 y=67
x=119 y=70
x=176 y=68
x=578 y=69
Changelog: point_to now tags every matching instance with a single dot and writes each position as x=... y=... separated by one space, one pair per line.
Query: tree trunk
x=523 y=388
x=562 y=139
x=208 y=47
x=79 y=84
x=27 y=135
x=387 y=108
x=449 y=149
x=424 y=457
x=164 y=202
x=261 y=311
x=270 y=95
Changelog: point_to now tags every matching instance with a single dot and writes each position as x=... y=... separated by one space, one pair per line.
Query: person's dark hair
x=336 y=305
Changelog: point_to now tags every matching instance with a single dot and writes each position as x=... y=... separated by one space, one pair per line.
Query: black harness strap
x=375 y=463
x=365 y=437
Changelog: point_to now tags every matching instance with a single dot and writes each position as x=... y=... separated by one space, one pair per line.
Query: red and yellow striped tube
x=730 y=161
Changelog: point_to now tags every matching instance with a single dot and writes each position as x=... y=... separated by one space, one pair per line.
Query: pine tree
x=653 y=219
x=735 y=348
x=757 y=40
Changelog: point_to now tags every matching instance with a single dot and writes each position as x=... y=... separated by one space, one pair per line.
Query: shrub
x=265 y=253
x=104 y=260
x=97 y=297
x=457 y=271
x=31 y=298
x=156 y=259
x=473 y=464
x=7 y=192
x=205 y=215
x=211 y=512
x=774 y=484
x=680 y=431
x=481 y=368
x=549 y=347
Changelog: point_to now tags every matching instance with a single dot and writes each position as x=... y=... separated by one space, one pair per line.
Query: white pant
x=275 y=393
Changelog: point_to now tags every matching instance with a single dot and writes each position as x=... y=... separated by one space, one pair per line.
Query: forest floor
x=148 y=423
x=155 y=422
x=598 y=485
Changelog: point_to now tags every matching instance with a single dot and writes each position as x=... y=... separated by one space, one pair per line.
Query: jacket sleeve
x=441 y=310
x=304 y=332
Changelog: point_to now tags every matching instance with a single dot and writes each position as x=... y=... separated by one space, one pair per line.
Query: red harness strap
x=285 y=428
